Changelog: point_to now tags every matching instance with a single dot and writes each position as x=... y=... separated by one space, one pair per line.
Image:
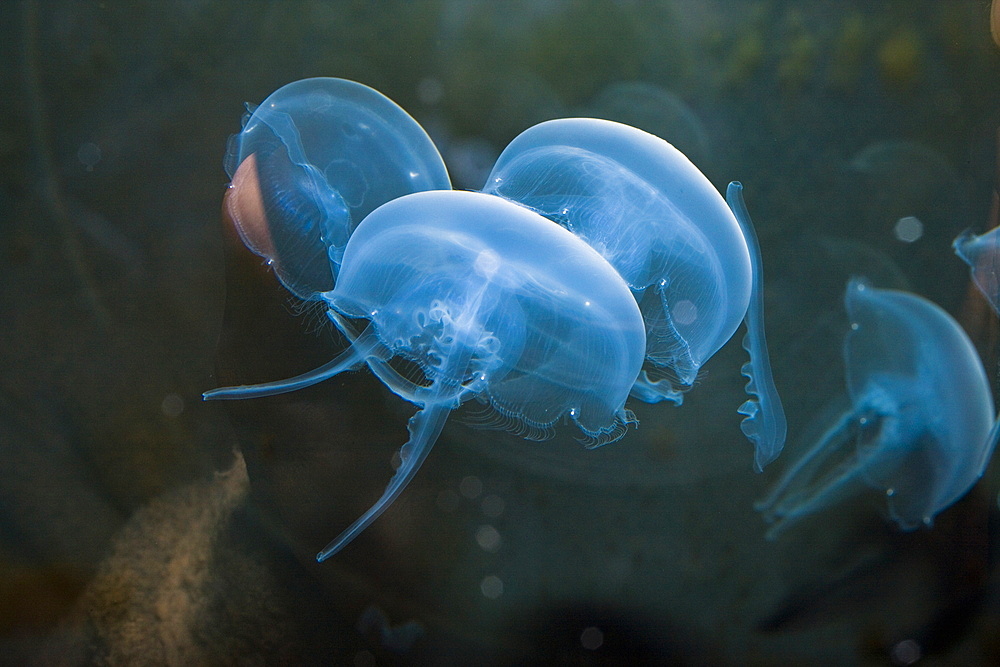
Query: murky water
x=138 y=523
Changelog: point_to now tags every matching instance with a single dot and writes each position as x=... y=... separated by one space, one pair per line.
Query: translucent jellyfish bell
x=656 y=110
x=918 y=425
x=982 y=254
x=691 y=263
x=311 y=161
x=489 y=301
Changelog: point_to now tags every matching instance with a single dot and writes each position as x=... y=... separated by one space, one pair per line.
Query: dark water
x=140 y=525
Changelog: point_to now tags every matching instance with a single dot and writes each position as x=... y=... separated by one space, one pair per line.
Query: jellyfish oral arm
x=982 y=254
x=765 y=424
x=349 y=359
x=654 y=391
x=991 y=445
x=363 y=347
x=804 y=489
x=391 y=378
x=396 y=383
x=424 y=428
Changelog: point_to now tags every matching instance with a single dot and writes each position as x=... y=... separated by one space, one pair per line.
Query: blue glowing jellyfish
x=489 y=301
x=982 y=254
x=918 y=425
x=693 y=266
x=311 y=162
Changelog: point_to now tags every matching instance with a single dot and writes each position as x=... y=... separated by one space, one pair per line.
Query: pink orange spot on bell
x=995 y=21
x=243 y=205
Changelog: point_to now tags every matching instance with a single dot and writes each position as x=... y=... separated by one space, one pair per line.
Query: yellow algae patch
x=900 y=58
x=847 y=60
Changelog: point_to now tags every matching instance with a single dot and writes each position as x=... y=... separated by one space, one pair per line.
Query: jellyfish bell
x=310 y=162
x=489 y=301
x=244 y=211
x=656 y=110
x=691 y=261
x=918 y=422
x=982 y=254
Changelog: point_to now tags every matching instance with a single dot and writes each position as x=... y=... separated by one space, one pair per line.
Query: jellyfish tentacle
x=764 y=423
x=794 y=497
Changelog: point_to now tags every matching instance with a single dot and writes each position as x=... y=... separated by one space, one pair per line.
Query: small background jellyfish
x=917 y=423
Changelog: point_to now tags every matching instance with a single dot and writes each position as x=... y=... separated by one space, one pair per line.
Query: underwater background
x=139 y=524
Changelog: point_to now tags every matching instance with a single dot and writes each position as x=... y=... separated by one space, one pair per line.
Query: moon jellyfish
x=461 y=295
x=918 y=425
x=982 y=254
x=311 y=161
x=692 y=265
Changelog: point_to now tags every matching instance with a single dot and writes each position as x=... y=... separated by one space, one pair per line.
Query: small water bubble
x=172 y=405
x=905 y=652
x=591 y=638
x=491 y=587
x=909 y=229
x=430 y=91
x=684 y=312
x=488 y=538
x=470 y=487
x=89 y=154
